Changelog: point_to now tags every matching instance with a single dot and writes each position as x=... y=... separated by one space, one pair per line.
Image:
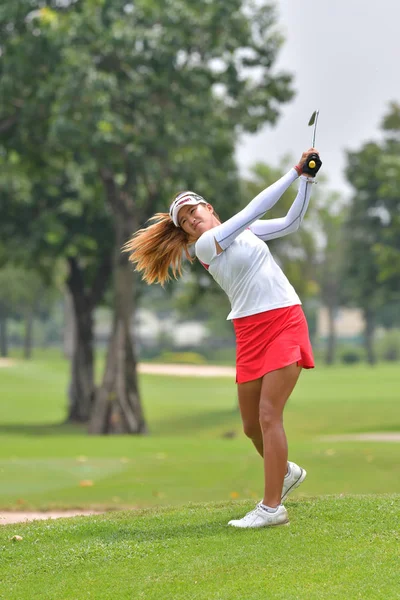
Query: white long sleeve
x=275 y=228
x=225 y=233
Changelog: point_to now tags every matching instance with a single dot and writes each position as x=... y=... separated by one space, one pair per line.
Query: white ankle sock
x=269 y=508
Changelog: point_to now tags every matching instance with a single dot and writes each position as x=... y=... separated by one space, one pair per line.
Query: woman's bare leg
x=276 y=388
x=249 y=403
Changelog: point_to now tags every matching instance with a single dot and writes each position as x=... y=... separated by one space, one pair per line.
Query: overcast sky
x=345 y=58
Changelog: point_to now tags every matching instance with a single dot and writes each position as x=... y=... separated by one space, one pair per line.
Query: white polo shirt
x=246 y=269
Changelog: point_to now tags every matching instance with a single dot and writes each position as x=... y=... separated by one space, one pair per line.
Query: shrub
x=350 y=356
x=189 y=358
x=388 y=346
x=220 y=356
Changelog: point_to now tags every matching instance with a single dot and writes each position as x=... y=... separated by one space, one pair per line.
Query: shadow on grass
x=226 y=420
x=48 y=429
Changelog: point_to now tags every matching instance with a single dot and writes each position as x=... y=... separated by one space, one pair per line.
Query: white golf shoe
x=261 y=517
x=292 y=480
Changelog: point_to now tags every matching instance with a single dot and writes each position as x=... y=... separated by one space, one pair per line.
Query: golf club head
x=312 y=118
x=313 y=121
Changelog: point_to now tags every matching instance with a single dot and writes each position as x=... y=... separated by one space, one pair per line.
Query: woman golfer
x=272 y=341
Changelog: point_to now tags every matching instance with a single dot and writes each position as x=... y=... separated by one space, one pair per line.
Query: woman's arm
x=275 y=228
x=216 y=240
x=225 y=233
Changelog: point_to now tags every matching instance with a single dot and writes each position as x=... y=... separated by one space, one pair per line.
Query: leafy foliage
x=374 y=218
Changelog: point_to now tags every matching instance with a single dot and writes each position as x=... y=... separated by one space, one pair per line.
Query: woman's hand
x=303 y=160
x=305 y=156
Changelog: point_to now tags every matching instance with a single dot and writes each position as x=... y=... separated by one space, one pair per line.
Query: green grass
x=334 y=548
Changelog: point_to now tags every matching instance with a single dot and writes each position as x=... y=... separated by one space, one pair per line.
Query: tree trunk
x=84 y=298
x=3 y=334
x=331 y=343
x=118 y=408
x=82 y=387
x=369 y=318
x=69 y=326
x=28 y=334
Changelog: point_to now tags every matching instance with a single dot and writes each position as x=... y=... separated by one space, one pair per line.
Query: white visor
x=182 y=200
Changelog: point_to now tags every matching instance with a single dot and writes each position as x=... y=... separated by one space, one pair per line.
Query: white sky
x=345 y=58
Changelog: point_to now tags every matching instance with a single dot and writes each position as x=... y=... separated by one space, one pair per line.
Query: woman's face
x=195 y=219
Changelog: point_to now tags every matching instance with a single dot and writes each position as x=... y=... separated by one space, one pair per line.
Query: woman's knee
x=270 y=416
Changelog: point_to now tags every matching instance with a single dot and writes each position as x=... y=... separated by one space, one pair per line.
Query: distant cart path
x=187 y=370
x=6 y=517
x=6 y=362
x=177 y=370
x=392 y=436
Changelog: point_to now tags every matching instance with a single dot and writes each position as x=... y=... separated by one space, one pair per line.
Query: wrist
x=299 y=170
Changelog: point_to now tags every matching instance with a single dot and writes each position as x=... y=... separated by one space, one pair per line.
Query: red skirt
x=271 y=340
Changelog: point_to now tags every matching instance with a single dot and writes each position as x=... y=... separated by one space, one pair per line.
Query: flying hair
x=157 y=250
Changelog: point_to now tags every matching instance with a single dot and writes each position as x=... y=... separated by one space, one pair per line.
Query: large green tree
x=150 y=96
x=373 y=230
x=51 y=204
x=49 y=214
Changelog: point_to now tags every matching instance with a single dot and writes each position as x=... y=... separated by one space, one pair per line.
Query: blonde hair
x=156 y=249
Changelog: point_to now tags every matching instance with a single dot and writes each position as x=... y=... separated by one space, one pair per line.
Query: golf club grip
x=312 y=170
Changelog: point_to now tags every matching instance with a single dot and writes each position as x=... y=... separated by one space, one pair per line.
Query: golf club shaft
x=315 y=129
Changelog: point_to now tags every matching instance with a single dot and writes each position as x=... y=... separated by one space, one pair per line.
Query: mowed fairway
x=195 y=450
x=191 y=474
